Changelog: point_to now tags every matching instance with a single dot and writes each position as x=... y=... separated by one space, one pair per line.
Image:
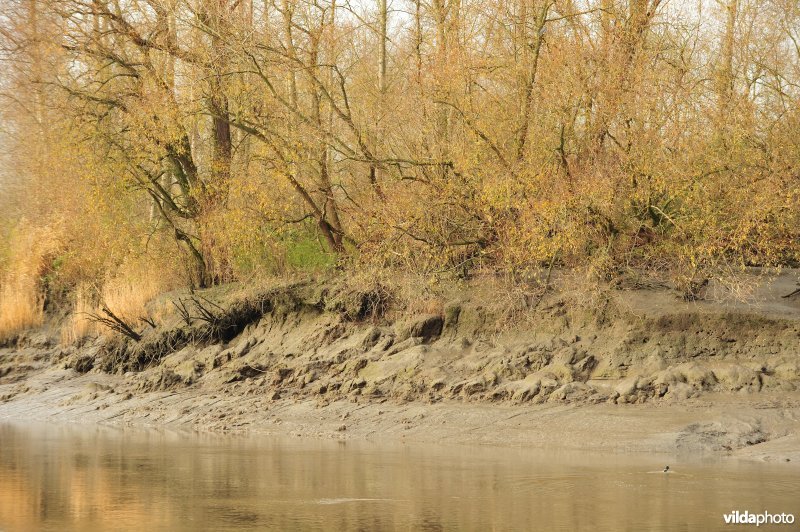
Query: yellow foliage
x=503 y=139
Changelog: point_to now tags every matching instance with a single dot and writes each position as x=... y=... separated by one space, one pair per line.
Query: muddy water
x=91 y=478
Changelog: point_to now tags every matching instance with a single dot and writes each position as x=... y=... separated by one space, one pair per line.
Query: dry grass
x=129 y=294
x=21 y=305
x=21 y=299
x=79 y=325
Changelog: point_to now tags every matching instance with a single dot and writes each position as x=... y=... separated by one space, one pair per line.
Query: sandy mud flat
x=636 y=371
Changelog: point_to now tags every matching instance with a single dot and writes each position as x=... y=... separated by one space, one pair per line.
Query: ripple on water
x=345 y=500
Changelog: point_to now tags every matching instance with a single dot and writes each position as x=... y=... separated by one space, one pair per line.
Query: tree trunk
x=620 y=63
x=532 y=46
x=725 y=76
x=216 y=189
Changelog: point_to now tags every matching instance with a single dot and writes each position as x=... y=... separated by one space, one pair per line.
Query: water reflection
x=57 y=478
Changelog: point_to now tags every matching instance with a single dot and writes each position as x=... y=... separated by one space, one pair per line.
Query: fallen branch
x=180 y=305
x=787 y=296
x=115 y=323
x=206 y=313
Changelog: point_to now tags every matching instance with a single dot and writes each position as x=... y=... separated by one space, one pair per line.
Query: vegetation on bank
x=156 y=144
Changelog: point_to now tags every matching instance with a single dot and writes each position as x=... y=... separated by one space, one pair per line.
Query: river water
x=99 y=478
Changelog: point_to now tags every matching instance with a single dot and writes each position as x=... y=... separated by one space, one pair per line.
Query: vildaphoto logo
x=765 y=518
